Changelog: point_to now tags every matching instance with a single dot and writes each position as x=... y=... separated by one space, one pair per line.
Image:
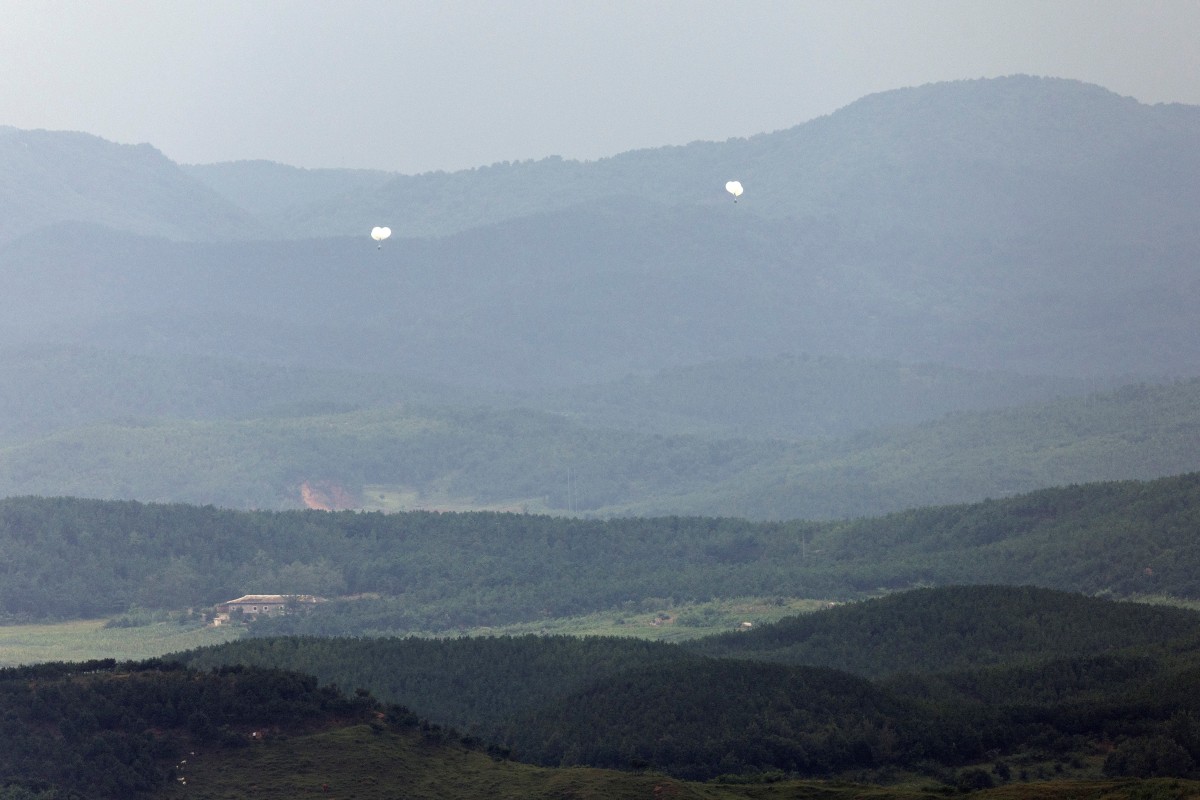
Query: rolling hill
x=989 y=674
x=426 y=571
x=954 y=629
x=405 y=454
x=152 y=730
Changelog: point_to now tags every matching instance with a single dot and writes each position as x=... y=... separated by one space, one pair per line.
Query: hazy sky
x=417 y=86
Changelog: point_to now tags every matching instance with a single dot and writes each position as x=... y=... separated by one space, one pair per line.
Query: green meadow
x=83 y=640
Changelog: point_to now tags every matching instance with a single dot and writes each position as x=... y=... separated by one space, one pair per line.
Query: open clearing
x=84 y=640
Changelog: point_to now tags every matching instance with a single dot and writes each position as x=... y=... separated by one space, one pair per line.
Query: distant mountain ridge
x=1018 y=226
x=1022 y=224
x=50 y=177
x=885 y=158
x=958 y=153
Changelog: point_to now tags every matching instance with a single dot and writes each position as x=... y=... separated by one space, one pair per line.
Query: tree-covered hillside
x=955 y=629
x=405 y=455
x=474 y=682
x=152 y=730
x=798 y=396
x=430 y=571
x=49 y=388
x=999 y=677
x=102 y=730
x=1139 y=431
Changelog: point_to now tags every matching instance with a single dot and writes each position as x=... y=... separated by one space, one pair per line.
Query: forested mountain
x=1031 y=225
x=422 y=571
x=941 y=157
x=593 y=293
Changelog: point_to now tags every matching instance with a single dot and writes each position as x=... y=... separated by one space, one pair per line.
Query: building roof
x=272 y=598
x=260 y=598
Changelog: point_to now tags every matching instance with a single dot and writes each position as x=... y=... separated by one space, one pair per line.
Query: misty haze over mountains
x=948 y=248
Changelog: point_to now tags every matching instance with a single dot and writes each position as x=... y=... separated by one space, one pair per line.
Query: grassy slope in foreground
x=359 y=763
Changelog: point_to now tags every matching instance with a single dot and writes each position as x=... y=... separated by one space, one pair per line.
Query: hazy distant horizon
x=414 y=87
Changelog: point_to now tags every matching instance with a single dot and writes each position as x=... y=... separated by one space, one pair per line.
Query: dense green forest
x=107 y=731
x=425 y=571
x=947 y=678
x=103 y=730
x=955 y=628
x=476 y=684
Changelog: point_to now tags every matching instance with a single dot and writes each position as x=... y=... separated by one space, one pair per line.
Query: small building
x=258 y=605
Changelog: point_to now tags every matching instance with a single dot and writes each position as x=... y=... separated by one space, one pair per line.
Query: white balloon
x=379 y=234
x=734 y=188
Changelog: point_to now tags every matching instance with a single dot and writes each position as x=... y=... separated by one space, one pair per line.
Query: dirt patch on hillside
x=327 y=496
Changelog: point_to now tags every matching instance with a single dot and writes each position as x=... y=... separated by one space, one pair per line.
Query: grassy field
x=392 y=499
x=368 y=762
x=365 y=763
x=83 y=640
x=662 y=621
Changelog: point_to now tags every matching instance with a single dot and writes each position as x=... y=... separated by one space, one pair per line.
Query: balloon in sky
x=735 y=189
x=379 y=234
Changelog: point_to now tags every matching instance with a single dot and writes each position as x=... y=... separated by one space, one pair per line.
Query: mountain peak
x=59 y=176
